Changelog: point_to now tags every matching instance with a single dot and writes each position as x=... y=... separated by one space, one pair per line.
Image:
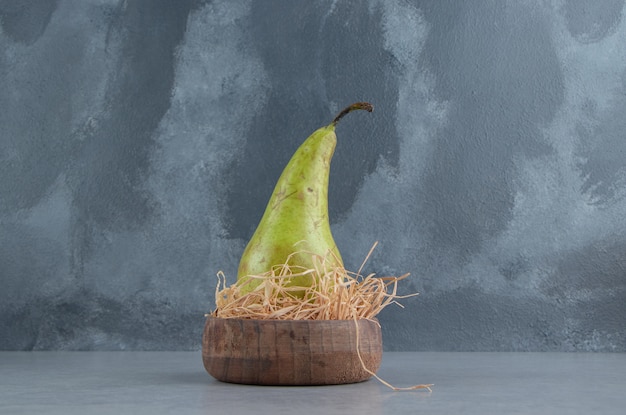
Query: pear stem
x=356 y=106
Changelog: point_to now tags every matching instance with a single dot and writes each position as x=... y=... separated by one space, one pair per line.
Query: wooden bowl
x=290 y=352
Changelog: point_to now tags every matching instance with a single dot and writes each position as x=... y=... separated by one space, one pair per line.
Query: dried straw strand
x=378 y=378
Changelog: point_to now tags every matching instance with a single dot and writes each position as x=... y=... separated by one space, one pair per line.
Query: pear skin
x=295 y=224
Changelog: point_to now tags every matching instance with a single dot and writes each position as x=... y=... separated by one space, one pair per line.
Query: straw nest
x=333 y=294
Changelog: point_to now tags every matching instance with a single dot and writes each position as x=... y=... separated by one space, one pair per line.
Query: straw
x=334 y=294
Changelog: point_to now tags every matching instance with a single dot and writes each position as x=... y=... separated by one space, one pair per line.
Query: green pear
x=295 y=224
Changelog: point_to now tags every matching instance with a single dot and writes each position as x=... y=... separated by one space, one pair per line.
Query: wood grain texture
x=290 y=352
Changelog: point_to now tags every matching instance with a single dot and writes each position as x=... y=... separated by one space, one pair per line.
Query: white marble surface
x=175 y=382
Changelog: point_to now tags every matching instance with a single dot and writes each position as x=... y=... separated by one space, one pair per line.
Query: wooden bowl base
x=291 y=352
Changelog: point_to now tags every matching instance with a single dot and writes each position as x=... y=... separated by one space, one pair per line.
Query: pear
x=295 y=227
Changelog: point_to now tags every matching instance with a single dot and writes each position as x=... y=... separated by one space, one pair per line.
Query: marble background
x=141 y=139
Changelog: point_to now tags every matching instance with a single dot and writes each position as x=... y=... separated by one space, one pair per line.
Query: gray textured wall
x=140 y=140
